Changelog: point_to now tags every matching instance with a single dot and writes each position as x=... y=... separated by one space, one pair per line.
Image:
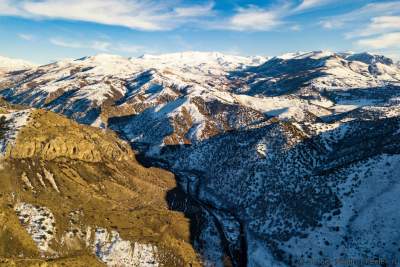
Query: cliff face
x=49 y=136
x=75 y=195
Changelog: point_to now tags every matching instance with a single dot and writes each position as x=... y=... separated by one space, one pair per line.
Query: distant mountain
x=10 y=64
x=278 y=160
x=369 y=58
x=320 y=70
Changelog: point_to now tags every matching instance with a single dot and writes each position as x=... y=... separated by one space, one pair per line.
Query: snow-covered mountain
x=279 y=160
x=10 y=64
x=317 y=71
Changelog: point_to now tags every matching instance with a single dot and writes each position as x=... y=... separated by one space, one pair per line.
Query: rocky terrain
x=74 y=195
x=284 y=161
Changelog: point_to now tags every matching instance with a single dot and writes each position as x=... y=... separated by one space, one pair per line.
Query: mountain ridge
x=281 y=157
x=12 y=64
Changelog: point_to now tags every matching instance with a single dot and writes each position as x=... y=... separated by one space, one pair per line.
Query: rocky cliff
x=75 y=195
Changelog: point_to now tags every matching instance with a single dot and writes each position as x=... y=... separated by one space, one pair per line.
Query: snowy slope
x=280 y=151
x=10 y=64
x=303 y=73
x=14 y=121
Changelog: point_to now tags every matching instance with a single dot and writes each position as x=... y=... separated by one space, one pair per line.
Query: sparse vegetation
x=3 y=126
x=93 y=172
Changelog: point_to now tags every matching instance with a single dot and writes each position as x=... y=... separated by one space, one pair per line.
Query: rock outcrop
x=73 y=194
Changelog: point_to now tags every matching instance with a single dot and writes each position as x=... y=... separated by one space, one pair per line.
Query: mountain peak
x=185 y=54
x=302 y=55
x=11 y=64
x=195 y=57
x=369 y=58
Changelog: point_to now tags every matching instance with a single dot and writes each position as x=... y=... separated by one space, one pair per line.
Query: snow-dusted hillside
x=279 y=156
x=318 y=71
x=10 y=64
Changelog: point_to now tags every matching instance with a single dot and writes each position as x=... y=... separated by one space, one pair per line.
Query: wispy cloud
x=309 y=4
x=384 y=41
x=99 y=45
x=377 y=25
x=26 y=37
x=362 y=15
x=255 y=18
x=68 y=44
x=373 y=26
x=8 y=8
x=157 y=15
x=94 y=45
x=295 y=28
x=195 y=10
x=148 y=15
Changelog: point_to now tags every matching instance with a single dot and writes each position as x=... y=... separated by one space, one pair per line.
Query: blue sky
x=46 y=30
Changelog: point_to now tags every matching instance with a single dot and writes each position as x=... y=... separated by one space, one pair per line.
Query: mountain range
x=278 y=161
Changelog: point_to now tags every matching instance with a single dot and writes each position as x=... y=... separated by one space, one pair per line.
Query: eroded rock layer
x=75 y=195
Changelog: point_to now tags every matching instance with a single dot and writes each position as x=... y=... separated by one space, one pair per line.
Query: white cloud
x=26 y=37
x=95 y=45
x=254 y=18
x=382 y=24
x=7 y=8
x=63 y=43
x=329 y=24
x=362 y=15
x=309 y=4
x=295 y=28
x=374 y=26
x=195 y=11
x=155 y=15
x=148 y=15
x=384 y=41
x=99 y=45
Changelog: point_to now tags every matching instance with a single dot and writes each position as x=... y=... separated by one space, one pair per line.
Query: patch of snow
x=17 y=120
x=26 y=181
x=366 y=223
x=40 y=177
x=193 y=58
x=111 y=249
x=39 y=222
x=303 y=55
x=50 y=177
x=290 y=55
x=262 y=150
x=282 y=107
x=259 y=255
